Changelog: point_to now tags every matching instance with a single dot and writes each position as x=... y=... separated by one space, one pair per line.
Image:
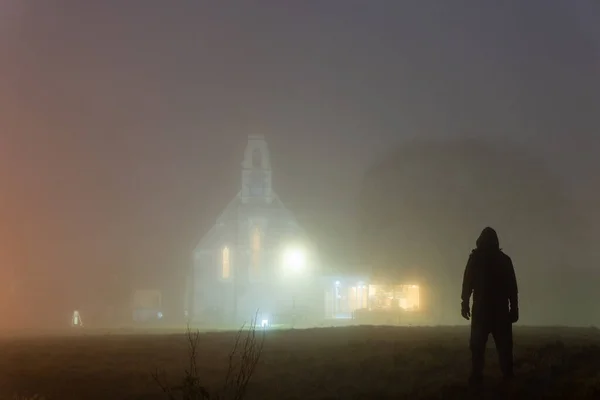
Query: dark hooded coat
x=490 y=277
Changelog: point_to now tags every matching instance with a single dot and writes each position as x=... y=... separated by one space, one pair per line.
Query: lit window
x=225 y=264
x=413 y=297
x=394 y=296
x=256 y=249
x=358 y=296
x=364 y=296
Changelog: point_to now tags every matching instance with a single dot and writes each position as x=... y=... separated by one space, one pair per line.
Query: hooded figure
x=490 y=277
x=488 y=240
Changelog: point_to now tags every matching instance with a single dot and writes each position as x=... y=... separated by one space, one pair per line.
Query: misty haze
x=226 y=200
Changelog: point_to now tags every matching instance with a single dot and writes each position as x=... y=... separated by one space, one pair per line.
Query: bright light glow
x=76 y=319
x=294 y=259
x=413 y=298
x=226 y=266
x=264 y=323
x=385 y=297
x=256 y=250
x=357 y=297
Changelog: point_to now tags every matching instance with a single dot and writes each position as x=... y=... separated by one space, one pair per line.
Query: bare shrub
x=242 y=363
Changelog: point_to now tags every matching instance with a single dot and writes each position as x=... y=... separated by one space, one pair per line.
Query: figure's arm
x=467 y=285
x=513 y=290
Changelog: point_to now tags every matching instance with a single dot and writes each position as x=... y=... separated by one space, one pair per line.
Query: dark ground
x=331 y=363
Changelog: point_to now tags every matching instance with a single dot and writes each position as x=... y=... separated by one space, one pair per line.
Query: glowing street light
x=294 y=259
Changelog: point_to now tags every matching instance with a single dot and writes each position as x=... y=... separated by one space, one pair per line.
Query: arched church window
x=256 y=158
x=256 y=250
x=225 y=263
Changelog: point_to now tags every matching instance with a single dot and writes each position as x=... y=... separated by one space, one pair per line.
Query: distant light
x=159 y=315
x=264 y=323
x=337 y=283
x=76 y=319
x=294 y=259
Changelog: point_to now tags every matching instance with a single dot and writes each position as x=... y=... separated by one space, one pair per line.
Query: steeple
x=256 y=171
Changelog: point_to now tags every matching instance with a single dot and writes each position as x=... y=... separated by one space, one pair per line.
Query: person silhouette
x=490 y=277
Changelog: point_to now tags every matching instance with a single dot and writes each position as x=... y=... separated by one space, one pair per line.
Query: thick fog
x=424 y=206
x=397 y=130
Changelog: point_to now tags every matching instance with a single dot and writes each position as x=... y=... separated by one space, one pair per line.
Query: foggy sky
x=122 y=123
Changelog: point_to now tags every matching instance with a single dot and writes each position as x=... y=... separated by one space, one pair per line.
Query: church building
x=256 y=257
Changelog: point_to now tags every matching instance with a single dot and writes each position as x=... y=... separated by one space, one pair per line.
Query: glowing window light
x=226 y=264
x=413 y=296
x=76 y=319
x=387 y=296
x=256 y=250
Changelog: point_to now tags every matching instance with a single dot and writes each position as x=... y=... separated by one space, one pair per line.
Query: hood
x=488 y=240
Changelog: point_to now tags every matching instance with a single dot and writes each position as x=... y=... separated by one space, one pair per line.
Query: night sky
x=122 y=123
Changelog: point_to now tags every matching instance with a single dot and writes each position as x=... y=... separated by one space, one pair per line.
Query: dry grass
x=241 y=365
x=336 y=363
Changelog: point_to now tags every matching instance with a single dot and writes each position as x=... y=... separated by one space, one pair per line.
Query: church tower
x=256 y=172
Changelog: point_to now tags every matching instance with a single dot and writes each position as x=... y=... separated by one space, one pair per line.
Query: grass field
x=330 y=363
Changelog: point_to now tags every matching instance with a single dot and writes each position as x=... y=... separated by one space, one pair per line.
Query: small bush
x=242 y=363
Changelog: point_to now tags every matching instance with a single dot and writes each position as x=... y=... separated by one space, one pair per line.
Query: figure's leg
x=479 y=337
x=503 y=338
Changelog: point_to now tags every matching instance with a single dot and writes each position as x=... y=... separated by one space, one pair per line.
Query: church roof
x=208 y=238
x=231 y=213
x=228 y=214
